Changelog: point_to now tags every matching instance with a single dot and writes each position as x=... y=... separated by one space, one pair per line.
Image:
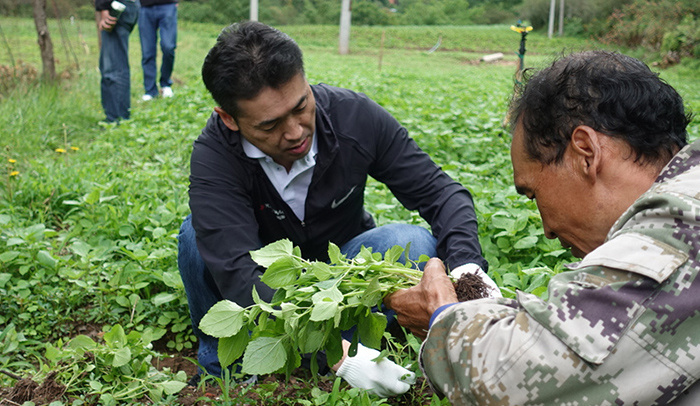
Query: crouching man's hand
x=383 y=378
x=415 y=306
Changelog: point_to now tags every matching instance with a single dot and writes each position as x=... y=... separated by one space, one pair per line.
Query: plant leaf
x=165 y=297
x=45 y=259
x=283 y=272
x=373 y=294
x=321 y=270
x=334 y=254
x=334 y=347
x=270 y=253
x=231 y=348
x=264 y=355
x=310 y=338
x=333 y=294
x=122 y=357
x=224 y=319
x=393 y=254
x=525 y=243
x=115 y=337
x=324 y=310
x=82 y=342
x=172 y=387
x=371 y=329
x=8 y=256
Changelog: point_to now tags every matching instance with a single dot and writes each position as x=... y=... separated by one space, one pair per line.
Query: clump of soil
x=27 y=390
x=470 y=287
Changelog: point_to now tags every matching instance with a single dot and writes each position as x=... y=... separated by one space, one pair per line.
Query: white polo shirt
x=293 y=186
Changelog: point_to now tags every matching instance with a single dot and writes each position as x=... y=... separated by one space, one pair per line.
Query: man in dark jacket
x=157 y=16
x=115 y=84
x=282 y=159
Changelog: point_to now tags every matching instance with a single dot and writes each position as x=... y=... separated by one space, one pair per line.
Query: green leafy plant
x=313 y=303
x=115 y=371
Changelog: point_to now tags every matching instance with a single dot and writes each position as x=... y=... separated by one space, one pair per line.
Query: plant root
x=470 y=287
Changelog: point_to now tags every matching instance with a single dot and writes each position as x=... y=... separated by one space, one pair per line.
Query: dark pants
x=115 y=85
x=153 y=19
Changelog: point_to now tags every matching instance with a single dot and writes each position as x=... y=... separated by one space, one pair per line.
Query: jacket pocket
x=636 y=253
x=592 y=306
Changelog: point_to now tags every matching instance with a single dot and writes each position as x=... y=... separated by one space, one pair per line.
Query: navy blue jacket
x=236 y=209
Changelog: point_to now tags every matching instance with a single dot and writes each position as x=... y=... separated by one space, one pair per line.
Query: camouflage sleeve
x=494 y=352
x=621 y=327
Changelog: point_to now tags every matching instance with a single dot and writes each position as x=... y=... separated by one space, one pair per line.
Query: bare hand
x=107 y=22
x=415 y=306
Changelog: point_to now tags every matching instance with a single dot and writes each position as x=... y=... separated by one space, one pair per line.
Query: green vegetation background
x=89 y=213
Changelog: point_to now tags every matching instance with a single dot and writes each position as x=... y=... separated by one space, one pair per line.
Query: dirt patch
x=470 y=287
x=298 y=387
x=26 y=390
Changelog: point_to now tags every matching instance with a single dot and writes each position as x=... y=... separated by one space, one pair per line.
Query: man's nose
x=293 y=130
x=548 y=231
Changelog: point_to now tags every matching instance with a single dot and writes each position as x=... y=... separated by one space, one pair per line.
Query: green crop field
x=90 y=293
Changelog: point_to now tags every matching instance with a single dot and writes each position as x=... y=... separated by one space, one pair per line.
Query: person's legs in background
x=168 y=43
x=148 y=26
x=115 y=83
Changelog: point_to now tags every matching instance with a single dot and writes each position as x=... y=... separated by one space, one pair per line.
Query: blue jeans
x=115 y=85
x=202 y=293
x=161 y=17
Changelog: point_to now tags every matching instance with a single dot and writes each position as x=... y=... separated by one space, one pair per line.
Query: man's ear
x=586 y=150
x=228 y=120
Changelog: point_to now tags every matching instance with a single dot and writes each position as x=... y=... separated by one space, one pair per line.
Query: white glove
x=476 y=269
x=383 y=378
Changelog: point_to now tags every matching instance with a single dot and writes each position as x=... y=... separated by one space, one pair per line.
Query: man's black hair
x=614 y=94
x=247 y=58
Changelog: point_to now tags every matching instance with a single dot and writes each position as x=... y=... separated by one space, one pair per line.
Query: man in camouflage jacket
x=623 y=325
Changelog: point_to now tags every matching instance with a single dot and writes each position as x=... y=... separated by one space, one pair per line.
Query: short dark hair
x=614 y=94
x=247 y=58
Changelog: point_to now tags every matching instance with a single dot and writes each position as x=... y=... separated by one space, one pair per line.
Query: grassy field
x=89 y=212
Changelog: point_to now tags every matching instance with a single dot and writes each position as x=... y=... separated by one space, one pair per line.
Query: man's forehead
x=272 y=102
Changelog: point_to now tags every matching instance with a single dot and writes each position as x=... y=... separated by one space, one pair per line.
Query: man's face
x=280 y=122
x=564 y=197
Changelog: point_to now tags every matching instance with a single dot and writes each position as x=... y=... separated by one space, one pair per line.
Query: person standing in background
x=115 y=83
x=158 y=15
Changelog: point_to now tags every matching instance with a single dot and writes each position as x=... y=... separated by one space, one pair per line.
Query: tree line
x=666 y=26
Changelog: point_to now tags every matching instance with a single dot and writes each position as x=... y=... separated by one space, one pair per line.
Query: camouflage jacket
x=621 y=327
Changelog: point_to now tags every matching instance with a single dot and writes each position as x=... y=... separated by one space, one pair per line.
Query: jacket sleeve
x=224 y=220
x=419 y=184
x=102 y=4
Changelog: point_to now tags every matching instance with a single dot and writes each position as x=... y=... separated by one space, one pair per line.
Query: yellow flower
x=75 y=148
x=14 y=173
x=61 y=150
x=12 y=160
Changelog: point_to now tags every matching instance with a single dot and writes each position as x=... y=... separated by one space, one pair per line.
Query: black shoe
x=194 y=381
